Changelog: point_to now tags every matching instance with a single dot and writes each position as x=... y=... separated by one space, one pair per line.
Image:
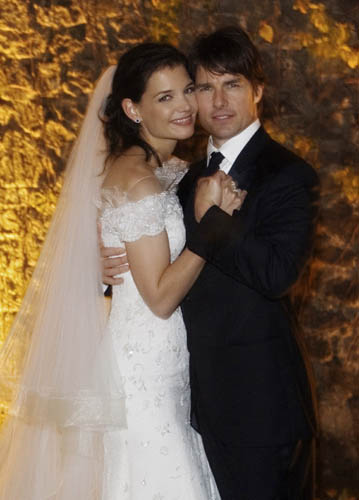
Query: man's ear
x=258 y=93
x=130 y=110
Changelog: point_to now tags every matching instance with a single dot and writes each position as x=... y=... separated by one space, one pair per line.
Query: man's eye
x=204 y=88
x=164 y=98
x=233 y=85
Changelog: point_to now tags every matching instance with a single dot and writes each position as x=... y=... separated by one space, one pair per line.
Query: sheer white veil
x=58 y=370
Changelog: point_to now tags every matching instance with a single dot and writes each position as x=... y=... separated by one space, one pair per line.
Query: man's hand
x=232 y=197
x=114 y=262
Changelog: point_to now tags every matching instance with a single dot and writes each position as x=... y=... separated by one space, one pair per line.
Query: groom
x=250 y=396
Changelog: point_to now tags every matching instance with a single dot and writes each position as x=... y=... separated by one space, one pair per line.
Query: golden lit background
x=51 y=53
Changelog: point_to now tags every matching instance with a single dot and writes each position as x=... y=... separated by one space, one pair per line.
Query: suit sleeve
x=269 y=254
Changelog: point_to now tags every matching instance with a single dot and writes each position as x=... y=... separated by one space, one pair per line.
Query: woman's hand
x=218 y=189
x=209 y=192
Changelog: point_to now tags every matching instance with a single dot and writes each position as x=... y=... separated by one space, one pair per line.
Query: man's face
x=227 y=103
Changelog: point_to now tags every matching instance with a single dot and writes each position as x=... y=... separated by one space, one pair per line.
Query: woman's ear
x=130 y=110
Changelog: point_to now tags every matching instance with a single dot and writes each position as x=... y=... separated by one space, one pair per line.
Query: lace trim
x=132 y=220
x=171 y=173
x=128 y=220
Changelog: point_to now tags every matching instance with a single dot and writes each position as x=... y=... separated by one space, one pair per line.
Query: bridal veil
x=58 y=370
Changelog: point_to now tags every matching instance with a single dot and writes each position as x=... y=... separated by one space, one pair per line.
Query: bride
x=101 y=410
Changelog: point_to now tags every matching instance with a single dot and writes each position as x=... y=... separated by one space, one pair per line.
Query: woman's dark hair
x=228 y=50
x=133 y=71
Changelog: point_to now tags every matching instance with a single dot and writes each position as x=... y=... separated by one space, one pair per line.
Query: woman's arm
x=161 y=284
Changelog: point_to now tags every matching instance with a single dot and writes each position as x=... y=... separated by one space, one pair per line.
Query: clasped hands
x=218 y=189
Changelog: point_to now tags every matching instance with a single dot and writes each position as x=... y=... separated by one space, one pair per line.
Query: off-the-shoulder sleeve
x=131 y=220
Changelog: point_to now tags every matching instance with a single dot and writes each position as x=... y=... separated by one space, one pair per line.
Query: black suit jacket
x=248 y=381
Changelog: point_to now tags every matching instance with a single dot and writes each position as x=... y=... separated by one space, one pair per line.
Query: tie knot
x=214 y=162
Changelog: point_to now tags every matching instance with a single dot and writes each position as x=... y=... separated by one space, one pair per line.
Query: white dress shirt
x=231 y=148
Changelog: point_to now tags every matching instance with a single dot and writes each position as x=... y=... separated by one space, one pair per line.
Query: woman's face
x=168 y=107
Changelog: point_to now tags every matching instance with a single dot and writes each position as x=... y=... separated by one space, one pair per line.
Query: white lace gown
x=159 y=456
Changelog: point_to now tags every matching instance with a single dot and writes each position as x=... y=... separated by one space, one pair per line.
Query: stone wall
x=52 y=51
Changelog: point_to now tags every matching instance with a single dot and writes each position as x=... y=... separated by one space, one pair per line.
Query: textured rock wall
x=52 y=51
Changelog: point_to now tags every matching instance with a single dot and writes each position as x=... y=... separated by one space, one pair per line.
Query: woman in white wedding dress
x=158 y=456
x=102 y=412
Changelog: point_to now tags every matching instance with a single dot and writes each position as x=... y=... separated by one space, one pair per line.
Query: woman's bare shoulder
x=126 y=171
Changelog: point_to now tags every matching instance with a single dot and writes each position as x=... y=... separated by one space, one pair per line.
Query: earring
x=137 y=120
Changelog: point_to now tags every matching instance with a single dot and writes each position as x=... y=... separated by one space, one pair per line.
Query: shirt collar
x=231 y=148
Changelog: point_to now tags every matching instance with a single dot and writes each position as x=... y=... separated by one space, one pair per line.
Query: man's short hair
x=227 y=50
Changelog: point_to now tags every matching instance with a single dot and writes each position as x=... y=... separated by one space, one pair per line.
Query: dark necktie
x=214 y=162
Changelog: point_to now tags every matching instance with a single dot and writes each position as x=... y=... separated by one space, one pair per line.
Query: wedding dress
x=158 y=456
x=66 y=436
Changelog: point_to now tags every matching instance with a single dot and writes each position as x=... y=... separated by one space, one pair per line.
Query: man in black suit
x=251 y=400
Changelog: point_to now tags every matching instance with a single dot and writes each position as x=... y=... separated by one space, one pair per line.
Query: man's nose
x=219 y=98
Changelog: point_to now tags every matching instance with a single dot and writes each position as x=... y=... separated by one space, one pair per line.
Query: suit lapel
x=186 y=192
x=186 y=186
x=244 y=168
